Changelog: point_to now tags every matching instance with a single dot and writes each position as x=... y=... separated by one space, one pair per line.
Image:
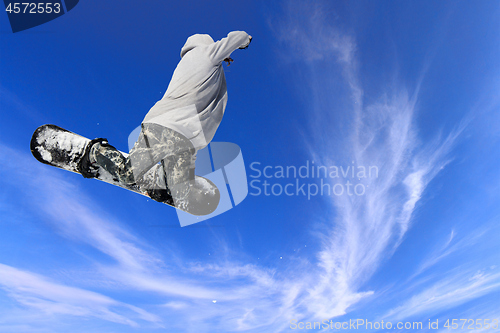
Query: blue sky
x=409 y=87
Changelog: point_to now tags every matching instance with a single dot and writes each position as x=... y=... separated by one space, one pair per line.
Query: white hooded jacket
x=194 y=102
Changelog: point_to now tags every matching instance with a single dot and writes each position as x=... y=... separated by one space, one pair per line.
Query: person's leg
x=154 y=144
x=160 y=163
x=174 y=178
x=160 y=144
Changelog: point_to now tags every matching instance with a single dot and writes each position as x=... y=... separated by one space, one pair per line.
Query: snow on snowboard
x=63 y=149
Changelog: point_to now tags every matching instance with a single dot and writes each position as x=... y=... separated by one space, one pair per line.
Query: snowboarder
x=184 y=121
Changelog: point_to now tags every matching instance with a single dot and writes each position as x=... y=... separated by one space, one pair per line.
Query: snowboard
x=55 y=146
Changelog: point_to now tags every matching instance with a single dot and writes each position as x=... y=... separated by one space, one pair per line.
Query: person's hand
x=228 y=60
x=246 y=46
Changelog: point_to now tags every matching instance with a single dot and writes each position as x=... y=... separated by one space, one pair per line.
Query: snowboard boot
x=111 y=160
x=153 y=183
x=86 y=166
x=202 y=199
x=182 y=189
x=193 y=194
x=100 y=154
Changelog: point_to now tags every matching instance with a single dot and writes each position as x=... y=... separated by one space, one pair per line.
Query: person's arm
x=223 y=48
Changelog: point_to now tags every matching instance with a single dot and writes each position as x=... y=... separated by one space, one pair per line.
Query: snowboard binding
x=86 y=167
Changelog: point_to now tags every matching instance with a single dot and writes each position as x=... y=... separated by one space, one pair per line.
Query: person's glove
x=228 y=60
x=246 y=46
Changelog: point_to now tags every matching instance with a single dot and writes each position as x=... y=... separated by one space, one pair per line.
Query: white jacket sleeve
x=223 y=48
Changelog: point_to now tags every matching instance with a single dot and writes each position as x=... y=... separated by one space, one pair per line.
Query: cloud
x=457 y=244
x=242 y=292
x=305 y=31
x=367 y=229
x=448 y=292
x=79 y=218
x=37 y=292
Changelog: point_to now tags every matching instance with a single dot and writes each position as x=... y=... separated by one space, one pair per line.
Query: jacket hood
x=194 y=41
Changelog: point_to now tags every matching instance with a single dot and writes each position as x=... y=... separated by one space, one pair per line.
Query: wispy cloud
x=237 y=294
x=366 y=229
x=451 y=291
x=37 y=292
x=454 y=243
